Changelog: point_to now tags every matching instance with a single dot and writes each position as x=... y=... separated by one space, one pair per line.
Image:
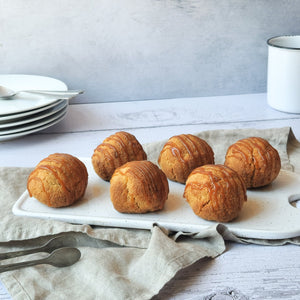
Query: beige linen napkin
x=146 y=260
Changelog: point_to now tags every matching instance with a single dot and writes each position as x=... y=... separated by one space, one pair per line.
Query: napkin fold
x=142 y=261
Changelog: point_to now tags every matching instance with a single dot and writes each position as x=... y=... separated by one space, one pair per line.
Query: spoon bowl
x=63 y=257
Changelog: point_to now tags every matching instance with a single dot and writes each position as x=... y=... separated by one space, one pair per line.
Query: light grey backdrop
x=120 y=50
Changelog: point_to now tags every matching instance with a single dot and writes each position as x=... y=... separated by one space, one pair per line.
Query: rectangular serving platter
x=267 y=214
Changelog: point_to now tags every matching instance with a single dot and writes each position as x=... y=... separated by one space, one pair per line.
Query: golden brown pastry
x=138 y=187
x=115 y=151
x=255 y=160
x=182 y=154
x=58 y=180
x=215 y=192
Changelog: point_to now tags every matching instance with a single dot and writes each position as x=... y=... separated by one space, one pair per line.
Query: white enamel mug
x=283 y=84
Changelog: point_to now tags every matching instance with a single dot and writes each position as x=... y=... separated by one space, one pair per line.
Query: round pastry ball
x=115 y=151
x=58 y=180
x=256 y=161
x=138 y=187
x=215 y=192
x=182 y=154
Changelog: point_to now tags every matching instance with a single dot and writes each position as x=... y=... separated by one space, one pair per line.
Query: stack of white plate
x=27 y=113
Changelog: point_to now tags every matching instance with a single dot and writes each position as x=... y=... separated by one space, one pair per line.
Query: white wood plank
x=250 y=271
x=169 y=112
x=29 y=150
x=4 y=295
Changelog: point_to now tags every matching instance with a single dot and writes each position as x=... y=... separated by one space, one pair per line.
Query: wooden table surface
x=243 y=271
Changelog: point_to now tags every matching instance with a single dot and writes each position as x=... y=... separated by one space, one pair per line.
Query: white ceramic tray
x=267 y=214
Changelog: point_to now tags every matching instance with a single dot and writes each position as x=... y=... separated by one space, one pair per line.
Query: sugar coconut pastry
x=58 y=180
x=115 y=151
x=256 y=161
x=182 y=154
x=215 y=192
x=138 y=187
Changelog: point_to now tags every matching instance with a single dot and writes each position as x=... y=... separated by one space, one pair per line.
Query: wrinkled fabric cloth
x=122 y=263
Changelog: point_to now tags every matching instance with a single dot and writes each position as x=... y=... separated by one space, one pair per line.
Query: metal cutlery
x=55 y=243
x=61 y=257
x=60 y=247
x=7 y=93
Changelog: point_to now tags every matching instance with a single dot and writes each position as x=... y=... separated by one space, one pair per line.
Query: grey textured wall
x=121 y=50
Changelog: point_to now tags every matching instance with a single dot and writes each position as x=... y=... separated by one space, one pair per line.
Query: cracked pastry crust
x=255 y=160
x=138 y=187
x=182 y=154
x=215 y=192
x=58 y=180
x=115 y=151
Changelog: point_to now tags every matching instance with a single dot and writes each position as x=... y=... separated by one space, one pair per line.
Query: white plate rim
x=33 y=118
x=16 y=82
x=33 y=124
x=29 y=112
x=24 y=133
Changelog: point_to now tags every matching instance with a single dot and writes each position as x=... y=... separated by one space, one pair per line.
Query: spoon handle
x=61 y=257
x=21 y=252
x=68 y=92
x=24 y=264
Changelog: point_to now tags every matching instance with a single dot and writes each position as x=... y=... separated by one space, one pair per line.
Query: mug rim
x=269 y=42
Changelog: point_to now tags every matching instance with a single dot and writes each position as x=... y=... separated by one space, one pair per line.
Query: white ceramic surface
x=42 y=126
x=284 y=73
x=24 y=102
x=35 y=117
x=28 y=113
x=267 y=213
x=33 y=125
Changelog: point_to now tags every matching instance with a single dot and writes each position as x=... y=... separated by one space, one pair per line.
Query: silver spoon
x=62 y=257
x=55 y=243
x=6 y=93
